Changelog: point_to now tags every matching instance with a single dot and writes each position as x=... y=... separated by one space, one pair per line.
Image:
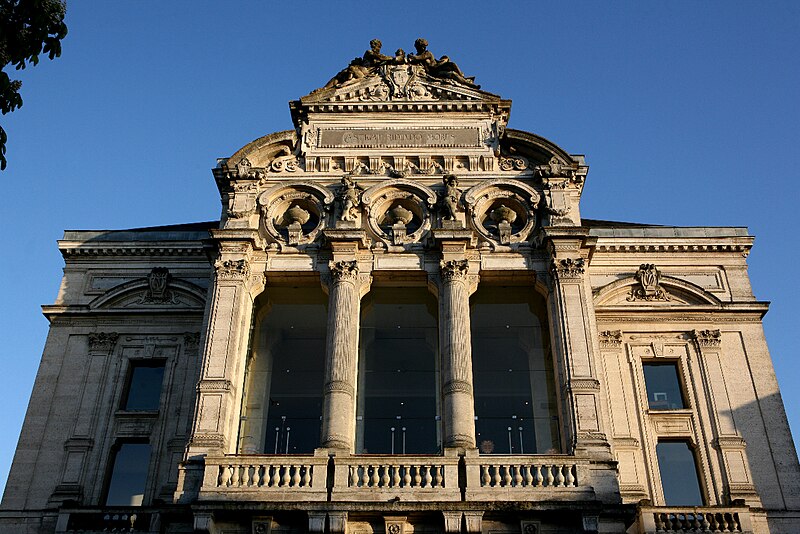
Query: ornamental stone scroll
x=503 y=211
x=295 y=213
x=399 y=210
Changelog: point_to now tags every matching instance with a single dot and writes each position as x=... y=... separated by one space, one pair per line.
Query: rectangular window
x=679 y=478
x=144 y=386
x=664 y=390
x=129 y=475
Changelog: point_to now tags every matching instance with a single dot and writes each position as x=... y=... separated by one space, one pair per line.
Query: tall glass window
x=128 y=475
x=514 y=384
x=679 y=478
x=398 y=374
x=664 y=390
x=144 y=386
x=282 y=403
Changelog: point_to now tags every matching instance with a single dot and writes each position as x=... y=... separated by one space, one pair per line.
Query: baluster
x=235 y=477
x=246 y=475
x=406 y=476
x=517 y=475
x=296 y=476
x=737 y=525
x=438 y=480
x=384 y=475
x=417 y=476
x=306 y=481
x=375 y=479
x=560 y=476
x=507 y=475
x=365 y=476
x=224 y=476
x=548 y=479
x=526 y=475
x=495 y=470
x=485 y=478
x=275 y=480
x=704 y=522
x=729 y=523
x=538 y=475
x=658 y=520
x=571 y=483
x=285 y=478
x=256 y=475
x=676 y=522
x=695 y=524
x=428 y=477
x=395 y=475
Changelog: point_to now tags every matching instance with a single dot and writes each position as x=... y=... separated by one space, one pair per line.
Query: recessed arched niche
x=503 y=211
x=294 y=213
x=399 y=211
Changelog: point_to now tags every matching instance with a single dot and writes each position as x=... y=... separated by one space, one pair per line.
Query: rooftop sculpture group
x=442 y=68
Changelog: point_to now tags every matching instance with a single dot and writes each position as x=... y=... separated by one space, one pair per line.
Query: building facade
x=402 y=324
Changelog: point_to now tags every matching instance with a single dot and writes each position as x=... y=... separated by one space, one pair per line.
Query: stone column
x=341 y=369
x=455 y=347
x=573 y=323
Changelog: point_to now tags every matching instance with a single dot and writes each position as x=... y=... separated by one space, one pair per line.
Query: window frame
x=138 y=363
x=677 y=364
x=111 y=461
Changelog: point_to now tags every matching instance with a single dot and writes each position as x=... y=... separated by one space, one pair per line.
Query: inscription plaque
x=399 y=138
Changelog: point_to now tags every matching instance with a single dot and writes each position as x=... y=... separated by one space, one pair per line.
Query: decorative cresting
x=649 y=284
x=341 y=368
x=399 y=211
x=503 y=211
x=456 y=354
x=294 y=213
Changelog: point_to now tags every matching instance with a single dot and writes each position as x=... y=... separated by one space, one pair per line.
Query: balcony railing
x=112 y=519
x=380 y=478
x=663 y=520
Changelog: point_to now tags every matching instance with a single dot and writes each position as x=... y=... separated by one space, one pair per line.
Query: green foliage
x=28 y=28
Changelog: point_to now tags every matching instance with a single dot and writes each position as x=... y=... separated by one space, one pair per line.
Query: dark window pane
x=663 y=386
x=397 y=404
x=678 y=474
x=283 y=398
x=129 y=475
x=144 y=389
x=514 y=384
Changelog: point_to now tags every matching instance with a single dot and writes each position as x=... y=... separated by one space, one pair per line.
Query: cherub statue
x=449 y=201
x=349 y=197
x=441 y=68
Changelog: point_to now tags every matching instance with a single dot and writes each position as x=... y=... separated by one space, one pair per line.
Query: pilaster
x=572 y=321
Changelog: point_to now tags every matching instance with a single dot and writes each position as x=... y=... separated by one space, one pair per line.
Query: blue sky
x=687 y=112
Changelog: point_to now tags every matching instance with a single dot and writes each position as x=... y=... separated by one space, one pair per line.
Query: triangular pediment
x=395 y=84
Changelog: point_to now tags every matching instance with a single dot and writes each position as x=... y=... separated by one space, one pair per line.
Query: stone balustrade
x=658 y=520
x=382 y=477
x=114 y=519
x=272 y=477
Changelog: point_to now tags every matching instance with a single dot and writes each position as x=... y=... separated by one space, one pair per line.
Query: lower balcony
x=96 y=521
x=372 y=478
x=663 y=520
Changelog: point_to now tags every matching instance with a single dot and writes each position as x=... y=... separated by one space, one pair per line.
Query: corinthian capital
x=102 y=341
x=708 y=338
x=232 y=269
x=454 y=270
x=568 y=268
x=344 y=270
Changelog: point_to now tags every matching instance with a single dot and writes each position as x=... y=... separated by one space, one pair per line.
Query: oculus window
x=397 y=392
x=144 y=386
x=663 y=386
x=514 y=383
x=282 y=402
x=679 y=478
x=128 y=475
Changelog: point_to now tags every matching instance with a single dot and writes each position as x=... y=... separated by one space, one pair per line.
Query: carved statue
x=361 y=66
x=349 y=197
x=442 y=68
x=449 y=202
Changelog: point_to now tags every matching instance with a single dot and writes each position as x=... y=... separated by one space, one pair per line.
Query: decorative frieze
x=708 y=338
x=102 y=341
x=454 y=270
x=649 y=285
x=344 y=270
x=568 y=268
x=232 y=269
x=610 y=339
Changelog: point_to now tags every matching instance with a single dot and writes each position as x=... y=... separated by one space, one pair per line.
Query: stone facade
x=402 y=173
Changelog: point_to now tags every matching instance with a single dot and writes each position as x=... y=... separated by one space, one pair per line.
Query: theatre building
x=401 y=324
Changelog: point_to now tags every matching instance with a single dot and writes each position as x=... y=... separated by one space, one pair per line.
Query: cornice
x=74 y=249
x=656 y=244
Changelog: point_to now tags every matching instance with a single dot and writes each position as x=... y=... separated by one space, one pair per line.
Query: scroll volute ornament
x=503 y=211
x=295 y=213
x=399 y=210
